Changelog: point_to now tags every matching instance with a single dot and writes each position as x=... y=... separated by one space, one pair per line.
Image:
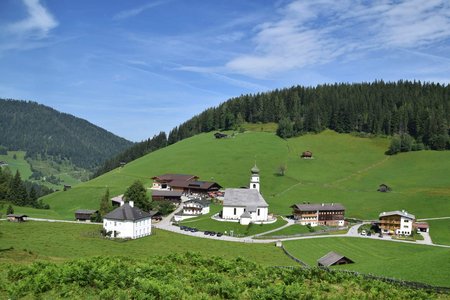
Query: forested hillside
x=418 y=112
x=44 y=132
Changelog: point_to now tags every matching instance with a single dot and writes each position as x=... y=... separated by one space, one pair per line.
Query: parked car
x=193 y=230
x=212 y=233
x=219 y=234
x=206 y=233
x=182 y=227
x=369 y=234
x=380 y=235
x=363 y=232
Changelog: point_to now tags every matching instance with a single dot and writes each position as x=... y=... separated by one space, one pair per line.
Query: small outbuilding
x=169 y=196
x=219 y=135
x=384 y=188
x=307 y=154
x=67 y=187
x=422 y=227
x=333 y=258
x=84 y=215
x=16 y=218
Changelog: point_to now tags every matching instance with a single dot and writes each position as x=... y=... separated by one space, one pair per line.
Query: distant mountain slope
x=42 y=131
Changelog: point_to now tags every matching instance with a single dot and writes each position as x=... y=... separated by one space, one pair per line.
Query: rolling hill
x=46 y=133
x=345 y=169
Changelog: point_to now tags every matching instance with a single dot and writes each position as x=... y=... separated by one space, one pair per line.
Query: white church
x=246 y=205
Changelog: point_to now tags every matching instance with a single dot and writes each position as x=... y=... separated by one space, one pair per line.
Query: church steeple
x=254 y=179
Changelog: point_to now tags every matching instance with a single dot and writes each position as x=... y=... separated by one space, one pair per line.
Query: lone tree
x=137 y=193
x=282 y=170
x=9 y=210
x=285 y=128
x=105 y=204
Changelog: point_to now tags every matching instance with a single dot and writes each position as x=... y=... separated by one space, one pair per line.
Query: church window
x=235 y=211
x=254 y=186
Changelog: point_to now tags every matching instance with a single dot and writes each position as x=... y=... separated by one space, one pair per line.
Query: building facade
x=128 y=221
x=325 y=214
x=396 y=222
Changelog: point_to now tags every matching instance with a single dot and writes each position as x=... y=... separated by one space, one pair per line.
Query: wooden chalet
x=188 y=184
x=332 y=259
x=328 y=214
x=84 y=215
x=171 y=196
x=16 y=218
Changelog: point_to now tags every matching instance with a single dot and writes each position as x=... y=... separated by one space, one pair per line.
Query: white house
x=193 y=208
x=128 y=221
x=244 y=205
x=397 y=222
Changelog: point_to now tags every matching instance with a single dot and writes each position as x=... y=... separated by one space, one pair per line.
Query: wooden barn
x=84 y=215
x=16 y=218
x=171 y=196
x=384 y=188
x=307 y=154
x=333 y=258
x=219 y=135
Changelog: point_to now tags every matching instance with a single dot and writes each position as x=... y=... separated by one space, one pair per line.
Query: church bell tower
x=254 y=179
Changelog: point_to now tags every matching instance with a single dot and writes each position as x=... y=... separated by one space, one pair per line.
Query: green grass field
x=345 y=169
x=205 y=223
x=391 y=259
x=440 y=231
x=18 y=164
x=62 y=241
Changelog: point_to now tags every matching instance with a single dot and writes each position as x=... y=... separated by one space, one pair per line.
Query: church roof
x=244 y=198
x=127 y=213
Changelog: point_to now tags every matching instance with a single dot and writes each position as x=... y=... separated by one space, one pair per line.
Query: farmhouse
x=128 y=221
x=246 y=205
x=193 y=208
x=16 y=218
x=84 y=214
x=328 y=214
x=333 y=258
x=188 y=184
x=396 y=222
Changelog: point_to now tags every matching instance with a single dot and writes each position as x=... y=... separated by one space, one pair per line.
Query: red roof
x=173 y=177
x=422 y=225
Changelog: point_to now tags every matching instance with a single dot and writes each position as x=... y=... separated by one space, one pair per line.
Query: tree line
x=21 y=193
x=420 y=110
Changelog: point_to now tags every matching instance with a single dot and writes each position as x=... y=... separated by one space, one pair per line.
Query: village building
x=246 y=205
x=326 y=214
x=187 y=184
x=164 y=195
x=396 y=222
x=193 y=208
x=84 y=215
x=128 y=221
x=422 y=227
x=117 y=201
x=16 y=218
x=332 y=259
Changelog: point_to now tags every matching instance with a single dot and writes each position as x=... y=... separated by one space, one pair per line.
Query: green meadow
x=440 y=231
x=384 y=258
x=17 y=164
x=345 y=169
x=62 y=241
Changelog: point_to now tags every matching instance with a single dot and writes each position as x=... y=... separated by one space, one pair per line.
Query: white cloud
x=38 y=23
x=136 y=11
x=315 y=32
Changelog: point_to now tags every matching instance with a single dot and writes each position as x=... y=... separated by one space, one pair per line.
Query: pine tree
x=105 y=204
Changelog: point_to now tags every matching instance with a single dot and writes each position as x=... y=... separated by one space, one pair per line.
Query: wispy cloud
x=316 y=32
x=137 y=10
x=38 y=23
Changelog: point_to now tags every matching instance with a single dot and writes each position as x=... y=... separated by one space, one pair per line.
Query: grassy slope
x=440 y=231
x=345 y=169
x=390 y=259
x=19 y=163
x=60 y=241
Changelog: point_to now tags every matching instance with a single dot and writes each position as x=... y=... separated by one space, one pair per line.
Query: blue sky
x=138 y=67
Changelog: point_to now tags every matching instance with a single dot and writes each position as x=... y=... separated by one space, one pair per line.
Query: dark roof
x=307 y=153
x=16 y=216
x=175 y=177
x=86 y=211
x=201 y=185
x=255 y=170
x=331 y=258
x=162 y=193
x=244 y=198
x=402 y=213
x=127 y=213
x=319 y=206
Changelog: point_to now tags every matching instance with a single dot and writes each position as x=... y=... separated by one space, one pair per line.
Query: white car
x=364 y=233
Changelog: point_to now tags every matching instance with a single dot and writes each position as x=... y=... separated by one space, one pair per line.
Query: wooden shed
x=384 y=188
x=333 y=258
x=16 y=218
x=219 y=135
x=84 y=214
x=307 y=154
